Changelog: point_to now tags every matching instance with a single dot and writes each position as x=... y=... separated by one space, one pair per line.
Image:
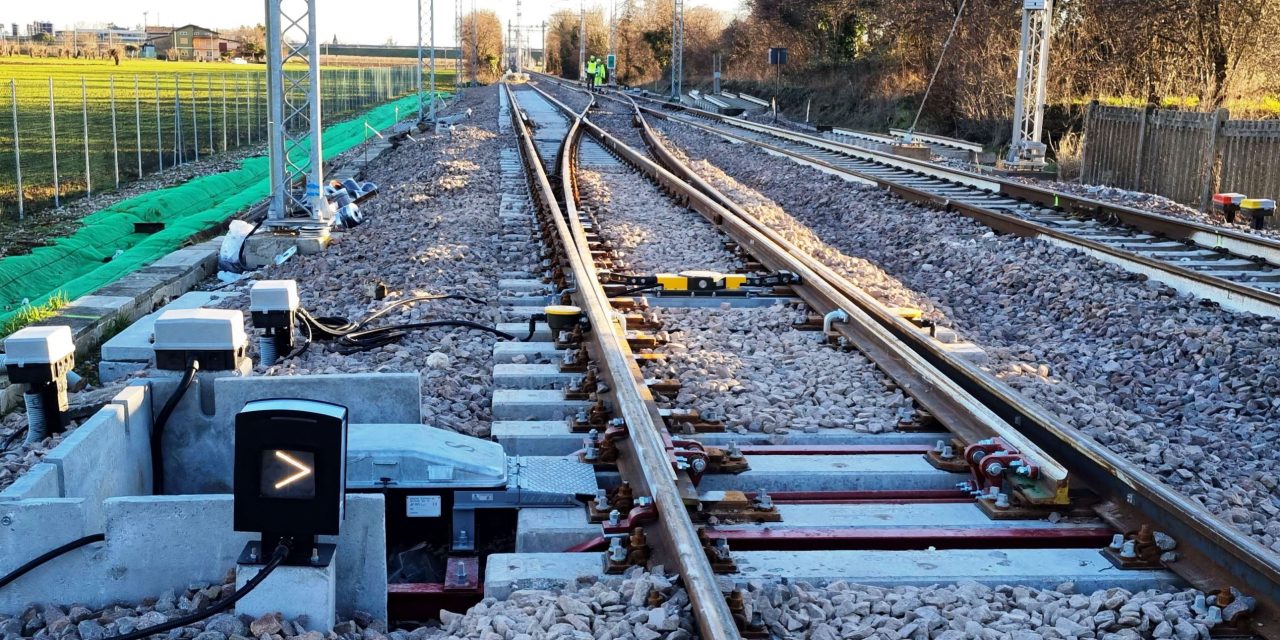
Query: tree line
x=868 y=61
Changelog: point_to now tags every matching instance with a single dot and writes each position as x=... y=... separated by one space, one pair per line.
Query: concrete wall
x=155 y=543
x=198 y=446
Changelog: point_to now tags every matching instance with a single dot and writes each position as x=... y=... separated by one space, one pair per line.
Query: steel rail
x=1214 y=554
x=967 y=418
x=644 y=459
x=1229 y=294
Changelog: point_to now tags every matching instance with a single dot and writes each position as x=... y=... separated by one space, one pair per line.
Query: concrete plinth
x=520 y=404
x=294 y=592
x=1036 y=568
x=130 y=350
x=541 y=332
x=532 y=376
x=503 y=352
x=261 y=249
x=553 y=530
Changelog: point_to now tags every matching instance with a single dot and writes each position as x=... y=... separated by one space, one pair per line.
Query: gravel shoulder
x=1186 y=390
x=437 y=210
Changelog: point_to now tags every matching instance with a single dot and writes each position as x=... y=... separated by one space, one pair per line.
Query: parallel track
x=1238 y=270
x=966 y=400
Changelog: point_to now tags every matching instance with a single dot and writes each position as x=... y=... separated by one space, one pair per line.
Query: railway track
x=859 y=494
x=1237 y=270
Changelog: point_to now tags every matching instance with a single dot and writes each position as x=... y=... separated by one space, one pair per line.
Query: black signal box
x=290 y=468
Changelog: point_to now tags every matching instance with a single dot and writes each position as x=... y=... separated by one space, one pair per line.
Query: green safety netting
x=83 y=262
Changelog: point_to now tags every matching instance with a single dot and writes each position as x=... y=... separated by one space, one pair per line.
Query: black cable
x=382 y=336
x=533 y=325
x=49 y=555
x=278 y=556
x=157 y=429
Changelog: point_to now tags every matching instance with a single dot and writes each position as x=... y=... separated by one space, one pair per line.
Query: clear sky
x=363 y=22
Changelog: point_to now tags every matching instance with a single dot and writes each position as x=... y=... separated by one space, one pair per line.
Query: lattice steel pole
x=677 y=50
x=294 y=99
x=418 y=84
x=582 y=43
x=1025 y=149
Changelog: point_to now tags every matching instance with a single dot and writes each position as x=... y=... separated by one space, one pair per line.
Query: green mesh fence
x=106 y=248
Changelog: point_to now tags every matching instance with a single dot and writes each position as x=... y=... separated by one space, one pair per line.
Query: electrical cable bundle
x=352 y=337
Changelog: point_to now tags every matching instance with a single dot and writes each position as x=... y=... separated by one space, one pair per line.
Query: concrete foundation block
x=553 y=530
x=293 y=592
x=524 y=286
x=40 y=481
x=261 y=248
x=370 y=398
x=134 y=343
x=967 y=350
x=94 y=463
x=135 y=400
x=520 y=404
x=533 y=352
x=29 y=528
x=541 y=333
x=112 y=371
x=535 y=437
x=533 y=376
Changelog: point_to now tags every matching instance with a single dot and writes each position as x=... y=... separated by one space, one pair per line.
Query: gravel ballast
x=751 y=368
x=653 y=234
x=437 y=210
x=1184 y=389
x=652 y=606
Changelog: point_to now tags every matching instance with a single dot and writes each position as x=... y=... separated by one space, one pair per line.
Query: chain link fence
x=65 y=137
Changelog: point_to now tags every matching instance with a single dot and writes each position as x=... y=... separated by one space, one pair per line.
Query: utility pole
x=418 y=78
x=544 y=46
x=457 y=38
x=677 y=51
x=1025 y=149
x=475 y=45
x=144 y=21
x=519 y=37
x=295 y=99
x=582 y=43
x=507 y=63
x=432 y=24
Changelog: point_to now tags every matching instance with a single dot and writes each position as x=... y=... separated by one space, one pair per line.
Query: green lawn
x=164 y=112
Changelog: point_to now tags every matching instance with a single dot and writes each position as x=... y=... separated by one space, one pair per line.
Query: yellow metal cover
x=1257 y=203
x=907 y=313
x=734 y=280
x=672 y=282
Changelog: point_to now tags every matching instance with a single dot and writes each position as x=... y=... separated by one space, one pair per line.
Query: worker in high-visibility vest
x=600 y=70
x=591 y=72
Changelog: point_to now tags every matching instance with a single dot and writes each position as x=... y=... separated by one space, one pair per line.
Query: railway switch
x=273 y=305
x=40 y=358
x=1228 y=204
x=214 y=337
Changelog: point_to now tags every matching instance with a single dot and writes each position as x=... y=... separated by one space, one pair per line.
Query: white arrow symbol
x=303 y=470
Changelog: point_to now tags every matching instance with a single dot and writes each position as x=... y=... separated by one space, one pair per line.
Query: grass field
x=165 y=113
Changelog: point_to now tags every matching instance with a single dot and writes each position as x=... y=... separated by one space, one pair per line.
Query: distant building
x=108 y=37
x=189 y=42
x=13 y=29
x=36 y=28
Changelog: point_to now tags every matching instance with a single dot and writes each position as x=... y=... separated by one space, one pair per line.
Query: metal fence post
x=195 y=119
x=209 y=104
x=237 y=110
x=177 y=124
x=159 y=136
x=137 y=123
x=1209 y=162
x=1142 y=146
x=224 y=112
x=115 y=141
x=17 y=150
x=53 y=146
x=84 y=111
